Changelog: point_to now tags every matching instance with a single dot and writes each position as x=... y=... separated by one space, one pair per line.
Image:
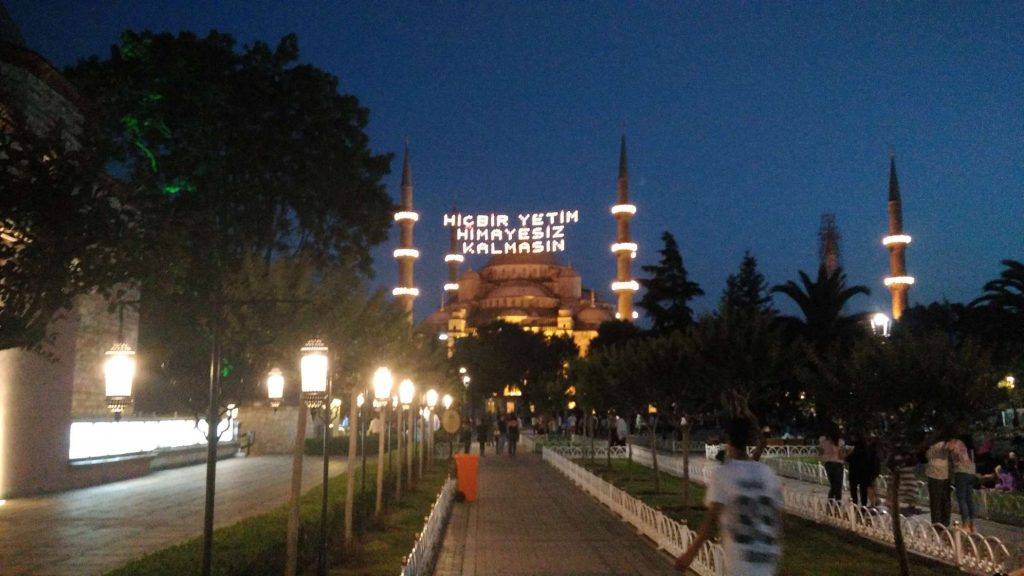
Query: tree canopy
x=668 y=291
x=747 y=290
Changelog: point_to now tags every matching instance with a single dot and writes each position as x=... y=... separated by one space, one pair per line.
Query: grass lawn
x=256 y=546
x=809 y=549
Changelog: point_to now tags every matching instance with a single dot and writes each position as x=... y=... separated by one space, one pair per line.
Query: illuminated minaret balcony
x=899 y=280
x=625 y=286
x=404 y=291
x=454 y=258
x=896 y=240
x=451 y=287
x=406 y=215
x=624 y=209
x=407 y=253
x=630 y=247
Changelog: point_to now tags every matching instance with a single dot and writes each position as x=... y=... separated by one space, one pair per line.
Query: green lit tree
x=238 y=159
x=668 y=291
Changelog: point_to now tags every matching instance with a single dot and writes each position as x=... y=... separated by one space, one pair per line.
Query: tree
x=64 y=229
x=910 y=392
x=234 y=156
x=822 y=303
x=1001 y=312
x=747 y=290
x=668 y=291
x=502 y=354
x=613 y=333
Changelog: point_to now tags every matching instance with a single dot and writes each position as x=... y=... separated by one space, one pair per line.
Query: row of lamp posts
x=119 y=373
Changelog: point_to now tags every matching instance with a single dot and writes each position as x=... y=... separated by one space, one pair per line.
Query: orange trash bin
x=465 y=471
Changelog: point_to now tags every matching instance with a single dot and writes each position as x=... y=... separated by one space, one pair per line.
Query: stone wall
x=275 y=431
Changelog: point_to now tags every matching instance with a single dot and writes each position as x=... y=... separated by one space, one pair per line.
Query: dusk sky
x=745 y=122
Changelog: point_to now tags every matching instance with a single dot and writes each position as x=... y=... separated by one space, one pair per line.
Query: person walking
x=831 y=449
x=964 y=473
x=502 y=434
x=859 y=461
x=744 y=498
x=937 y=471
x=466 y=436
x=483 y=432
x=513 y=434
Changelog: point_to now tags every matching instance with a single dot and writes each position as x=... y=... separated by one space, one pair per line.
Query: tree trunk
x=894 y=511
x=350 y=485
x=629 y=458
x=292 y=545
x=686 y=465
x=609 y=451
x=591 y=431
x=654 y=455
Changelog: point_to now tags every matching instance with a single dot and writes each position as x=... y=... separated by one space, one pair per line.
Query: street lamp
x=119 y=372
x=313 y=367
x=447 y=401
x=360 y=400
x=880 y=325
x=431 y=405
x=382 y=381
x=406 y=392
x=275 y=387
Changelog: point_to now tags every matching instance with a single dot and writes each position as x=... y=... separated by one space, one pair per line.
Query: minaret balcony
x=453 y=258
x=896 y=239
x=407 y=253
x=899 y=280
x=618 y=315
x=406 y=215
x=451 y=287
x=624 y=209
x=405 y=291
x=625 y=247
x=625 y=286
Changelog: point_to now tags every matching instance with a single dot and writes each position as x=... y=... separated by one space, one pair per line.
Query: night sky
x=745 y=122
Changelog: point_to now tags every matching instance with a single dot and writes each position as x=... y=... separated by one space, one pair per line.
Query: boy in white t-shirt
x=744 y=497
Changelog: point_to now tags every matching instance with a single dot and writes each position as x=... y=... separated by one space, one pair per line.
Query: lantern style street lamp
x=406 y=392
x=275 y=387
x=382 y=381
x=119 y=373
x=431 y=406
x=314 y=369
x=880 y=325
x=446 y=401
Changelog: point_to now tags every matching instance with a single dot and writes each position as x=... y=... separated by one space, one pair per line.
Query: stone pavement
x=530 y=520
x=94 y=530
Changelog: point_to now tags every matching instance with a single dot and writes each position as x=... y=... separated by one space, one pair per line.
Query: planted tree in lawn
x=909 y=392
x=669 y=290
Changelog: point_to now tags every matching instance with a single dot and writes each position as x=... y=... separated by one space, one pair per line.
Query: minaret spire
x=624 y=248
x=898 y=281
x=406 y=292
x=453 y=259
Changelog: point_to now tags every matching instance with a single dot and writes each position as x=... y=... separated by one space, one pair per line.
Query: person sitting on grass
x=744 y=497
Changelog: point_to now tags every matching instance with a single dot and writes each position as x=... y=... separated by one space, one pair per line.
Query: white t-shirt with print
x=751 y=499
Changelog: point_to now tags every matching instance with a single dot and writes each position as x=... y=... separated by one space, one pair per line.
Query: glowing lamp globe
x=446 y=401
x=406 y=391
x=275 y=387
x=382 y=381
x=314 y=373
x=431 y=398
x=360 y=400
x=119 y=373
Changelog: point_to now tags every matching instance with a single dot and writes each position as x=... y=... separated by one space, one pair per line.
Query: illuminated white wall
x=107 y=438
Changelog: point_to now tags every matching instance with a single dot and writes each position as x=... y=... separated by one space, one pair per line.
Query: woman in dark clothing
x=513 y=434
x=861 y=464
x=483 y=433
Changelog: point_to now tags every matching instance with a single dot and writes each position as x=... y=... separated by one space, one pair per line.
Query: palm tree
x=822 y=302
x=1006 y=292
x=1000 y=312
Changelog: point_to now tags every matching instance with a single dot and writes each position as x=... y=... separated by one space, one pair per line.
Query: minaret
x=898 y=281
x=406 y=292
x=452 y=259
x=828 y=248
x=624 y=248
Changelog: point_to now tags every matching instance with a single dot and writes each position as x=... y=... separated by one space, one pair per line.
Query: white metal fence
x=420 y=561
x=667 y=534
x=972 y=553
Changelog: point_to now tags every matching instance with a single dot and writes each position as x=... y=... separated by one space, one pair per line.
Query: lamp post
x=406 y=391
x=382 y=382
x=360 y=400
x=431 y=405
x=447 y=403
x=315 y=392
x=1009 y=383
x=880 y=325
x=275 y=387
x=465 y=389
x=118 y=373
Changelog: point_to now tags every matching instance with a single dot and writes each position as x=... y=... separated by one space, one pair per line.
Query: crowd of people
x=500 y=431
x=953 y=469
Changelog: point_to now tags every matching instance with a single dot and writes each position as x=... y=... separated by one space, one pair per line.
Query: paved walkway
x=94 y=530
x=530 y=520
